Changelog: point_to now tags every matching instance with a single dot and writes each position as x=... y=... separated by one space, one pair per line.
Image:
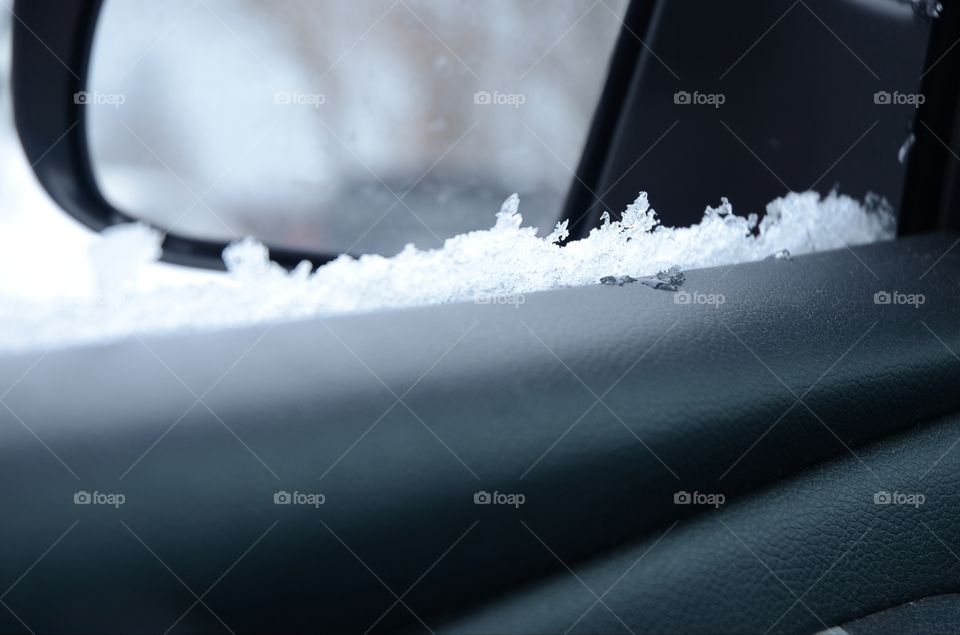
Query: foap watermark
x=913 y=499
x=496 y=98
x=508 y=299
x=916 y=300
x=99 y=498
x=695 y=298
x=698 y=498
x=297 y=98
x=896 y=98
x=94 y=98
x=696 y=98
x=498 y=498
x=314 y=500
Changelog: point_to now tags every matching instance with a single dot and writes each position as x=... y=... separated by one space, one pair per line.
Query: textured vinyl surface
x=807 y=553
x=937 y=615
x=596 y=404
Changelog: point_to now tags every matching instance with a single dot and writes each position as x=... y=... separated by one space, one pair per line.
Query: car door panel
x=597 y=404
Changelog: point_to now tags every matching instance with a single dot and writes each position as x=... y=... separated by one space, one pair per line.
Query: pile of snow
x=505 y=260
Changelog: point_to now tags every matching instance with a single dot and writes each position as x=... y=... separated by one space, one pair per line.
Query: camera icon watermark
x=94 y=98
x=914 y=499
x=496 y=98
x=516 y=300
x=896 y=98
x=84 y=497
x=698 y=498
x=696 y=98
x=498 y=498
x=297 y=98
x=283 y=497
x=884 y=298
x=695 y=298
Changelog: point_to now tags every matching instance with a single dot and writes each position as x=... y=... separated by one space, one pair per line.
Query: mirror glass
x=336 y=126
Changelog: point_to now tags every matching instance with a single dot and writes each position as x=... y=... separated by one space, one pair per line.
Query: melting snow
x=783 y=254
x=508 y=259
x=617 y=280
x=669 y=280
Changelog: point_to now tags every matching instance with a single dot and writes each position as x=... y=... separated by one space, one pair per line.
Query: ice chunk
x=509 y=215
x=119 y=254
x=672 y=276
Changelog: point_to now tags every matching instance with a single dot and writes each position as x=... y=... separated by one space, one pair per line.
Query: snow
x=508 y=260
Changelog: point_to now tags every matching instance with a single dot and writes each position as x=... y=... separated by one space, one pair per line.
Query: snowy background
x=304 y=122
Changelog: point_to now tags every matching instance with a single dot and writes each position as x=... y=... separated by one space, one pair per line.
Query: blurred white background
x=302 y=122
